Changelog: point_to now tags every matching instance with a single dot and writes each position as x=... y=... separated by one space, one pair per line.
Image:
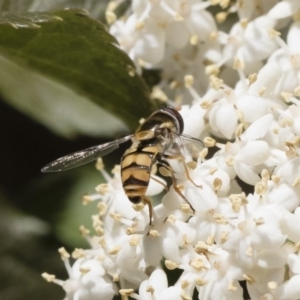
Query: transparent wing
x=184 y=145
x=84 y=156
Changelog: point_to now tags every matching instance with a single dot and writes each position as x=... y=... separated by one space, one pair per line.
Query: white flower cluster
x=245 y=88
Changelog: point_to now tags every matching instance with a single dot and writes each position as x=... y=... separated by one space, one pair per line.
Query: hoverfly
x=159 y=138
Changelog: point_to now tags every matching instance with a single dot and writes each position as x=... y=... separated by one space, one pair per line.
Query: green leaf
x=72 y=54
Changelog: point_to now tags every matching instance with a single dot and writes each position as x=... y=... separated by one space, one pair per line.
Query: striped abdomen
x=136 y=167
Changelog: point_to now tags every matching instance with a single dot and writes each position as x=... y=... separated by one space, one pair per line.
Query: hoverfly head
x=175 y=118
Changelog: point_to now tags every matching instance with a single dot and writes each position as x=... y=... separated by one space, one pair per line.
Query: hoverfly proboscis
x=156 y=140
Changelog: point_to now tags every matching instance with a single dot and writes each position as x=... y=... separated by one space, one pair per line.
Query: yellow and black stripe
x=136 y=171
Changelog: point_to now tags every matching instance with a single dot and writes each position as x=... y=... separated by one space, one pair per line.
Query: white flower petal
x=154 y=187
x=172 y=293
x=121 y=205
x=254 y=153
x=203 y=227
x=203 y=23
x=266 y=77
x=253 y=107
x=291 y=227
x=245 y=173
x=158 y=280
x=217 y=287
x=297 y=126
x=285 y=196
x=150 y=46
x=220 y=121
x=258 y=45
x=290 y=289
x=101 y=289
x=143 y=291
x=258 y=129
x=271 y=259
x=152 y=250
x=268 y=237
x=180 y=232
x=138 y=6
x=225 y=180
x=172 y=200
x=294 y=263
x=170 y=250
x=284 y=9
x=92 y=284
x=177 y=34
x=193 y=117
x=202 y=199
x=245 y=260
x=295 y=114
x=293 y=40
x=297 y=212
x=289 y=171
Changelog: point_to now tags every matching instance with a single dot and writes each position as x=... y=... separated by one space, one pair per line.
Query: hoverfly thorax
x=159 y=127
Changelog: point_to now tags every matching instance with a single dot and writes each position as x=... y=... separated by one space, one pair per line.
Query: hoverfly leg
x=148 y=201
x=186 y=170
x=158 y=181
x=166 y=170
x=187 y=173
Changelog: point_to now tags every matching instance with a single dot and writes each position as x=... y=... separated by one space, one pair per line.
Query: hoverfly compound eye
x=178 y=120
